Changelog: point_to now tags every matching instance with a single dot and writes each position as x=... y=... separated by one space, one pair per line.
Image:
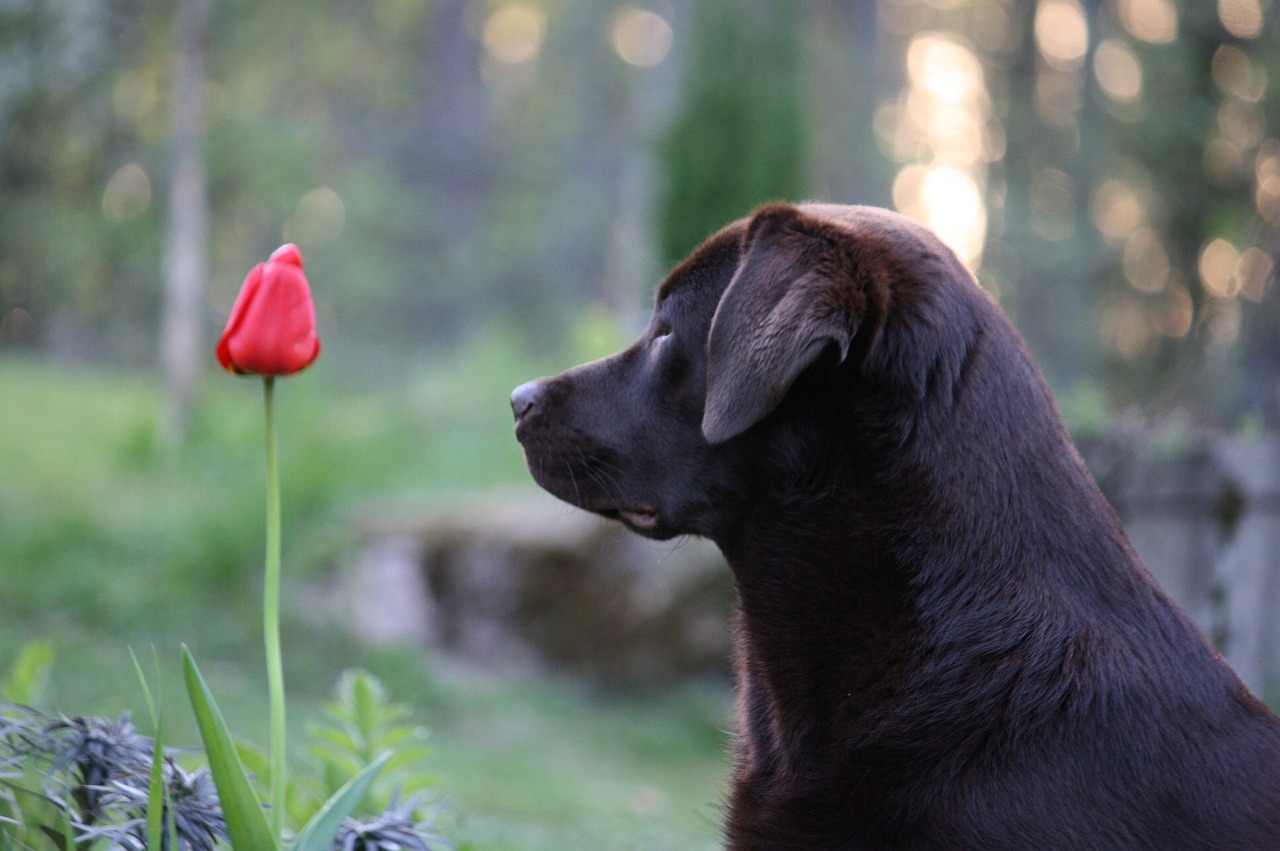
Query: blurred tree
x=1245 y=68
x=480 y=168
x=445 y=147
x=1128 y=156
x=845 y=50
x=186 y=255
x=73 y=255
x=740 y=137
x=1183 y=122
x=1157 y=316
x=1043 y=256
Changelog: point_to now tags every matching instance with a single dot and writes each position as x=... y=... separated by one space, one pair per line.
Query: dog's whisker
x=576 y=492
x=592 y=467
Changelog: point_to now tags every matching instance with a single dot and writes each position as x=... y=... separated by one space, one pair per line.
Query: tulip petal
x=272 y=327
x=248 y=291
x=287 y=253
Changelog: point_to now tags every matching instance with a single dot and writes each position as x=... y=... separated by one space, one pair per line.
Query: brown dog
x=945 y=640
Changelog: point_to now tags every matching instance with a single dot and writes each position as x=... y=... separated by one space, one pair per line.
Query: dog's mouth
x=580 y=484
x=640 y=519
x=644 y=519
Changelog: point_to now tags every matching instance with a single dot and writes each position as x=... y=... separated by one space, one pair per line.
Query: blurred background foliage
x=1110 y=168
x=1106 y=167
x=485 y=190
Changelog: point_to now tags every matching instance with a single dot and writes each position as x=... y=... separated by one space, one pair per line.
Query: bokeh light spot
x=1217 y=268
x=1241 y=18
x=939 y=128
x=1118 y=71
x=318 y=218
x=1152 y=21
x=1254 y=271
x=1176 y=312
x=1115 y=209
x=1234 y=74
x=127 y=194
x=1145 y=261
x=1062 y=33
x=641 y=38
x=513 y=34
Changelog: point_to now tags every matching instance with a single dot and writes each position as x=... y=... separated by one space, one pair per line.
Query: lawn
x=112 y=540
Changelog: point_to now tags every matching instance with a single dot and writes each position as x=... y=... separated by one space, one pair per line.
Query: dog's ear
x=789 y=300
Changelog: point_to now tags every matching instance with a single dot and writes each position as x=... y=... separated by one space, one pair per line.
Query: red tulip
x=272 y=327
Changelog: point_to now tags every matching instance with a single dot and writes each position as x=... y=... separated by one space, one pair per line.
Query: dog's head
x=673 y=434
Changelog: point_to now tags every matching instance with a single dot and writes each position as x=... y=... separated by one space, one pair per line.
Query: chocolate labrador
x=944 y=639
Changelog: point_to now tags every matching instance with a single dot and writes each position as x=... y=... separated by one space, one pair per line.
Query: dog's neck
x=850 y=602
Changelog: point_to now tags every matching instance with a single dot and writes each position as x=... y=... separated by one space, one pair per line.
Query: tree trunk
x=186 y=249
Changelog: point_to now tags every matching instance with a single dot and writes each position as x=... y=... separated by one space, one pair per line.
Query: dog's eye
x=662 y=330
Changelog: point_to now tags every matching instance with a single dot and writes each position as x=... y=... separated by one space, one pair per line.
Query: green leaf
x=146 y=689
x=319 y=833
x=336 y=737
x=29 y=675
x=155 y=788
x=59 y=840
x=362 y=723
x=256 y=763
x=246 y=822
x=155 y=795
x=368 y=699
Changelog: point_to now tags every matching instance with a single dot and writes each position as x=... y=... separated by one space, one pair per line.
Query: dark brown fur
x=944 y=638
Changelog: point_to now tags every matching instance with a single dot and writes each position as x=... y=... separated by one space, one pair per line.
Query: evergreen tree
x=740 y=137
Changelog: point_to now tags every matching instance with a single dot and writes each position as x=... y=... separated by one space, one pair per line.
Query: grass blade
x=29 y=675
x=146 y=689
x=319 y=833
x=155 y=795
x=246 y=822
x=155 y=788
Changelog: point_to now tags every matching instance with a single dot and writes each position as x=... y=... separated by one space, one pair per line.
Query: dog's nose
x=524 y=397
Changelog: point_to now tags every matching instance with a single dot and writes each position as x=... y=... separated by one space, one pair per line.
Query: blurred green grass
x=111 y=540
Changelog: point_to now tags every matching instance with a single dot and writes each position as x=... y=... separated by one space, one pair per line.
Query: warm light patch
x=1145 y=262
x=127 y=194
x=1254 y=271
x=1176 y=311
x=1234 y=74
x=947 y=201
x=906 y=191
x=1267 y=177
x=954 y=209
x=1227 y=273
x=1217 y=268
x=513 y=34
x=641 y=38
x=1062 y=33
x=1118 y=71
x=955 y=135
x=1115 y=209
x=319 y=217
x=1241 y=18
x=944 y=68
x=1242 y=124
x=938 y=129
x=1126 y=329
x=1152 y=21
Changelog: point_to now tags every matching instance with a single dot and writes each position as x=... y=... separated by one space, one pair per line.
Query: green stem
x=271 y=620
